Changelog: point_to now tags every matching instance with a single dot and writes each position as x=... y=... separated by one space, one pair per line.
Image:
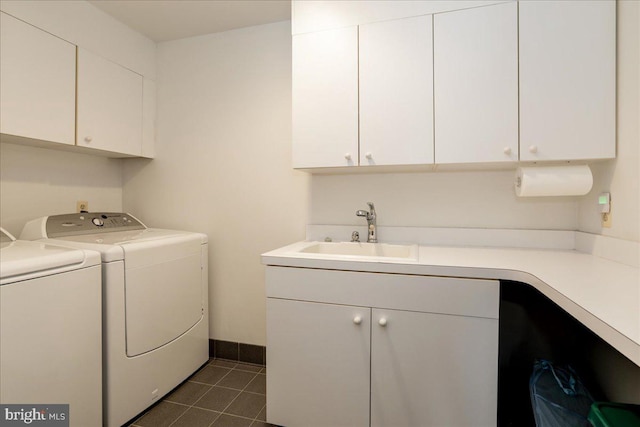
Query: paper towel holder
x=545 y=181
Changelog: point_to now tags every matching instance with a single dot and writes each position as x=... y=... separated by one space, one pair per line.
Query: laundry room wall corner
x=222 y=164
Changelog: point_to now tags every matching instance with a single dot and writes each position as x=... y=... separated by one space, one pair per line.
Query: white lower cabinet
x=318 y=373
x=433 y=370
x=334 y=362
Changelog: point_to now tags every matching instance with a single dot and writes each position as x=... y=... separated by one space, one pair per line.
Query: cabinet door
x=148 y=118
x=476 y=85
x=109 y=106
x=325 y=98
x=567 y=79
x=37 y=83
x=396 y=92
x=318 y=364
x=433 y=370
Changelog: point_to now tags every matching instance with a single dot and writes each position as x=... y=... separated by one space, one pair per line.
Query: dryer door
x=163 y=291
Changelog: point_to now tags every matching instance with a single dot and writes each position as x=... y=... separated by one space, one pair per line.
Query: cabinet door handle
x=369 y=156
x=507 y=150
x=347 y=156
x=357 y=320
x=88 y=139
x=382 y=321
x=533 y=149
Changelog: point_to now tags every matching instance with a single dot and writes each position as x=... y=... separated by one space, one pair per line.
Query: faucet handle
x=372 y=210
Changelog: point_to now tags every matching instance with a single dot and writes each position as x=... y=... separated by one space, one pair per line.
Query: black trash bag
x=558 y=396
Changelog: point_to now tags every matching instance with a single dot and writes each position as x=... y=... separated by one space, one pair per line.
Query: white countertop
x=602 y=294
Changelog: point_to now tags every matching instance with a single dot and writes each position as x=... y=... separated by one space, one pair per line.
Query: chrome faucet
x=372 y=235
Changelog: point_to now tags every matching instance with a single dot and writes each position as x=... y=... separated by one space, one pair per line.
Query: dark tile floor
x=222 y=393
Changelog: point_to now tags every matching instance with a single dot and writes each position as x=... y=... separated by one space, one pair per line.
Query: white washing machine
x=51 y=328
x=155 y=304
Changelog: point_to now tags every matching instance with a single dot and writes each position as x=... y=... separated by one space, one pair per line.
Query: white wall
x=35 y=182
x=619 y=378
x=621 y=177
x=483 y=199
x=223 y=164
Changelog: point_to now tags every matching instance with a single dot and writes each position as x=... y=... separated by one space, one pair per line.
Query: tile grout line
x=188 y=406
x=198 y=399
x=256 y=418
x=235 y=398
x=230 y=388
x=211 y=386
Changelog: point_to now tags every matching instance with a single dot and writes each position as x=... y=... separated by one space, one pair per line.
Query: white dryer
x=155 y=303
x=50 y=328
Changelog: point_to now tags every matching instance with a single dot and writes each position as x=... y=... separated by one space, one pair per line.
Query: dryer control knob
x=97 y=222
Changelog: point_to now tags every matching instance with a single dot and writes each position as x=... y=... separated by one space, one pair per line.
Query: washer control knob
x=97 y=222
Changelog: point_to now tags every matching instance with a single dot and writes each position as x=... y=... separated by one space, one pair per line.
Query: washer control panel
x=89 y=223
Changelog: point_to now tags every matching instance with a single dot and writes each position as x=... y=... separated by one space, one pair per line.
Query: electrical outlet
x=606 y=220
x=82 y=206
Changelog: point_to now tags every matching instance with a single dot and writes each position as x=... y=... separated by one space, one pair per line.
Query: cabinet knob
x=88 y=139
x=357 y=320
x=369 y=156
x=533 y=148
x=347 y=156
x=507 y=150
x=382 y=321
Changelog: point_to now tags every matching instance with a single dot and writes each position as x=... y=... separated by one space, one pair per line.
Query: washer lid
x=112 y=245
x=20 y=260
x=119 y=238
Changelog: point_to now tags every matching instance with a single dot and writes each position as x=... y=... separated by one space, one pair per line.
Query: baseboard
x=239 y=352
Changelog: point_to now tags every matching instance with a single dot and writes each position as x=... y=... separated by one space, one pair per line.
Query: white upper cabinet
x=37 y=83
x=396 y=92
x=319 y=15
x=325 y=98
x=498 y=83
x=109 y=106
x=567 y=79
x=148 y=117
x=476 y=85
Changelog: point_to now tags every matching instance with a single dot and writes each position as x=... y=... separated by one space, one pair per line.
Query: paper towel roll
x=553 y=181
